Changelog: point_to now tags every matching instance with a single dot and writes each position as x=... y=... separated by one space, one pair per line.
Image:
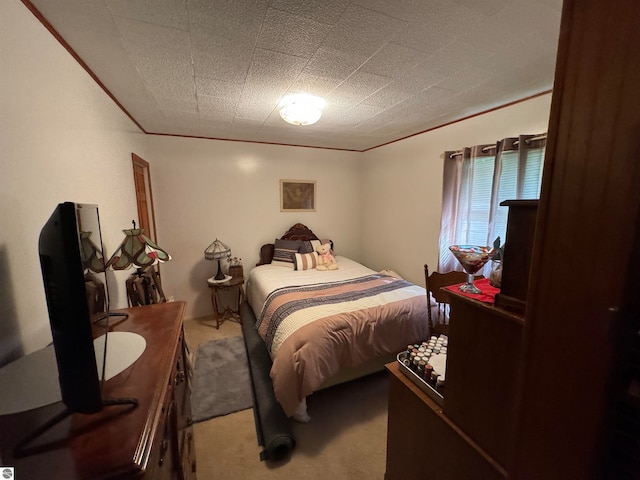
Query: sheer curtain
x=476 y=179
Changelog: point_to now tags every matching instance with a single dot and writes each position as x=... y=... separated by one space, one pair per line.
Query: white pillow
x=306 y=261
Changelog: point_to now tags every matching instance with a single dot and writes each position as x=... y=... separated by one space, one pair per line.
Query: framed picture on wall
x=297 y=195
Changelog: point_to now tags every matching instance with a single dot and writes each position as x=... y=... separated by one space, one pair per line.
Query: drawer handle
x=164 y=445
x=163 y=449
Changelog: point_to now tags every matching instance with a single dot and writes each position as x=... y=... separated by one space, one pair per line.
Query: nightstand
x=228 y=311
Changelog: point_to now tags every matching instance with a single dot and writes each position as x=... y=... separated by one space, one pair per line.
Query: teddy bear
x=326 y=260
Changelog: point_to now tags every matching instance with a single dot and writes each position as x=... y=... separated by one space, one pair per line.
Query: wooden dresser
x=153 y=440
x=469 y=437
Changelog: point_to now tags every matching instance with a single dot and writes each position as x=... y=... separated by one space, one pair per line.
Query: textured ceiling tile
x=458 y=53
x=425 y=37
x=211 y=16
x=335 y=63
x=432 y=96
x=417 y=79
x=483 y=7
x=254 y=110
x=317 y=85
x=438 y=15
x=406 y=10
x=357 y=87
x=291 y=34
x=167 y=13
x=220 y=105
x=334 y=109
x=366 y=83
x=221 y=64
x=344 y=98
x=387 y=96
x=365 y=111
x=363 y=31
x=341 y=121
x=184 y=117
x=212 y=87
x=326 y=11
x=162 y=54
x=271 y=93
x=270 y=75
x=466 y=79
x=534 y=16
x=392 y=60
x=170 y=104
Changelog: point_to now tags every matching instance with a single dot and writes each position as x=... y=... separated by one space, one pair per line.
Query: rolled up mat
x=273 y=427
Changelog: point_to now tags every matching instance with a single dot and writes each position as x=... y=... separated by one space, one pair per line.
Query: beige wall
x=61 y=139
x=402 y=186
x=205 y=189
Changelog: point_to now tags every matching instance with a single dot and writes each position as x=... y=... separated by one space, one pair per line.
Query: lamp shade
x=137 y=249
x=217 y=250
x=92 y=256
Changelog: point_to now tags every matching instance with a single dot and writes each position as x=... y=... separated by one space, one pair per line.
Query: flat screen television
x=63 y=264
x=75 y=285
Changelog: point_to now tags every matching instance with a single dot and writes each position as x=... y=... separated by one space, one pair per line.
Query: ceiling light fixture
x=302 y=109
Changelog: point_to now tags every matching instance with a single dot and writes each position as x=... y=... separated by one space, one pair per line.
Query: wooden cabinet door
x=586 y=242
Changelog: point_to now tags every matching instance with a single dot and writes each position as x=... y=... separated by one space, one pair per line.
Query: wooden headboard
x=296 y=232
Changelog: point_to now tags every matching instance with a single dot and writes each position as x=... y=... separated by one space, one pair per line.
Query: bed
x=324 y=327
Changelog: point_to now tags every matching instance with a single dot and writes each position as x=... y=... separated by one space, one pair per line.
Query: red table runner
x=487 y=295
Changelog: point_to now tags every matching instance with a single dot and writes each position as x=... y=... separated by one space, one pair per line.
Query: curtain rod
x=542 y=136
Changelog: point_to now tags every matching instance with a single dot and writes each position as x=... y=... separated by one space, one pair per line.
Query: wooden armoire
x=581 y=322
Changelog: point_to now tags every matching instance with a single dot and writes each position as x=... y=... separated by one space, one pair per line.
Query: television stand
x=20 y=449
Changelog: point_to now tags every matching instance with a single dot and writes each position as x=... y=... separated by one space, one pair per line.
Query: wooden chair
x=439 y=318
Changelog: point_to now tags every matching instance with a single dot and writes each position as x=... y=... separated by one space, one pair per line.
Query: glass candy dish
x=472 y=258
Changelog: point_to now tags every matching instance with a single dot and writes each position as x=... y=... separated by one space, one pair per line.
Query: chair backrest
x=434 y=283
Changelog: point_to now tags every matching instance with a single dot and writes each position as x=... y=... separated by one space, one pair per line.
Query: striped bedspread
x=290 y=308
x=311 y=331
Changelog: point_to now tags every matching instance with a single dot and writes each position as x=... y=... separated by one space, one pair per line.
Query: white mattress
x=266 y=278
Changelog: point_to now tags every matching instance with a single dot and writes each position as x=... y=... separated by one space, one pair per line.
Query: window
x=476 y=180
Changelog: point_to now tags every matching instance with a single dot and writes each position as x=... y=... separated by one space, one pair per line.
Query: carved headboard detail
x=299 y=232
x=295 y=232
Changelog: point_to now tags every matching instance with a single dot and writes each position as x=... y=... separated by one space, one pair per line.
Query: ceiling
x=387 y=69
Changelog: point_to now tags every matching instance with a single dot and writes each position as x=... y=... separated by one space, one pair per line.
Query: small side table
x=229 y=311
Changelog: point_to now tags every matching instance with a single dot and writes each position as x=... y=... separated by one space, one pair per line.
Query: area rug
x=221 y=384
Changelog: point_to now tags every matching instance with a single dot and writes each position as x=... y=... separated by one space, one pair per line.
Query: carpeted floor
x=345 y=439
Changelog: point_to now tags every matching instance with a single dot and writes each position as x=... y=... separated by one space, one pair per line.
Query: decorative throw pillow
x=284 y=251
x=309 y=246
x=306 y=261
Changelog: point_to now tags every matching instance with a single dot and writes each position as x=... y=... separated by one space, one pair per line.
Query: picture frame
x=297 y=195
